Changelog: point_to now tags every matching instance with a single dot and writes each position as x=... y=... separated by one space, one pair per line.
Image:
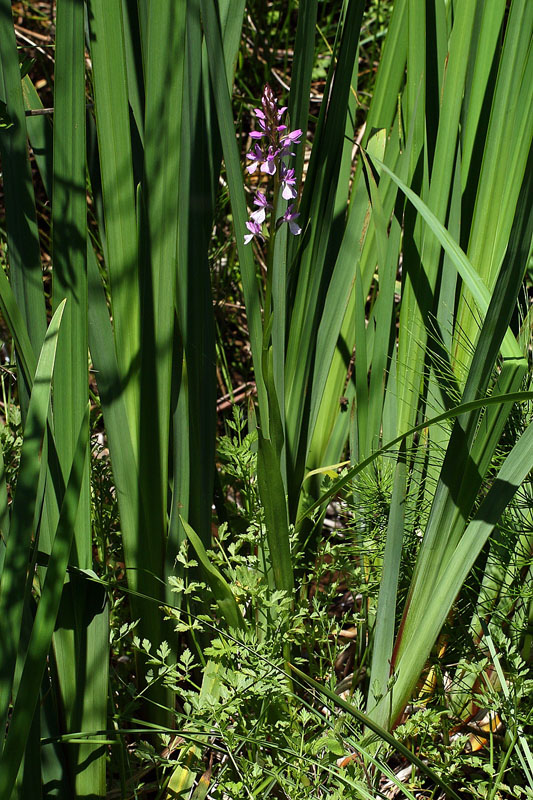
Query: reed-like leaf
x=21 y=222
x=388 y=591
x=14 y=574
x=116 y=166
x=34 y=662
x=83 y=690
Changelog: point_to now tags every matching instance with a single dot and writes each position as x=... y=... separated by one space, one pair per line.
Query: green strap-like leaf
x=45 y=619
x=457 y=256
x=14 y=574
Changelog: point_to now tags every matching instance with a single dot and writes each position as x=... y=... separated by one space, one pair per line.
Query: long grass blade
x=115 y=153
x=83 y=690
x=14 y=574
x=22 y=235
x=43 y=626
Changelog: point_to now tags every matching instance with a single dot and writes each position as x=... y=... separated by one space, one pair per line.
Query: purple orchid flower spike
x=289 y=217
x=259 y=216
x=272 y=143
x=255 y=230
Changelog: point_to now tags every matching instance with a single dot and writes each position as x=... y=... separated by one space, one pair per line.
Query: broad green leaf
x=114 y=138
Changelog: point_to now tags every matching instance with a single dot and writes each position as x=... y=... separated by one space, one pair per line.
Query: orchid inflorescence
x=273 y=143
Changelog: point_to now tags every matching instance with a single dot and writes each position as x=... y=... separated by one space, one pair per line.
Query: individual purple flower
x=256 y=157
x=291 y=138
x=262 y=124
x=261 y=118
x=270 y=163
x=255 y=230
x=288 y=183
x=259 y=216
x=287 y=141
x=289 y=217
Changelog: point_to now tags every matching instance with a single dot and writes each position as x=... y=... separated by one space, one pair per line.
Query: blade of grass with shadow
x=21 y=222
x=14 y=574
x=84 y=638
x=116 y=167
x=194 y=422
x=34 y=660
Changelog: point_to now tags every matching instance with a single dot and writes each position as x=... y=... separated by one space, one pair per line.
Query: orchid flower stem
x=268 y=310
